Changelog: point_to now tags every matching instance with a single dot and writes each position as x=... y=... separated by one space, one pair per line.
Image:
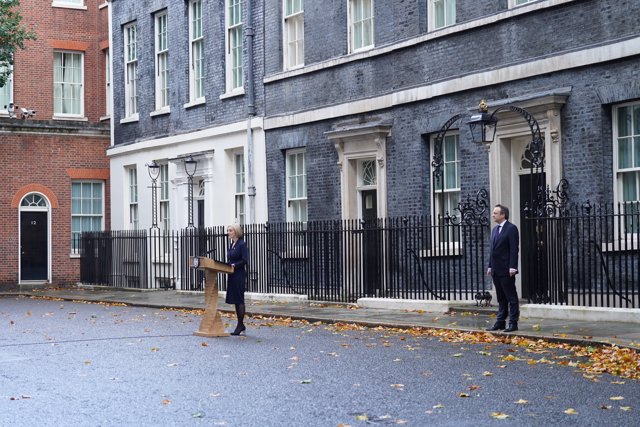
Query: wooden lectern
x=211 y=323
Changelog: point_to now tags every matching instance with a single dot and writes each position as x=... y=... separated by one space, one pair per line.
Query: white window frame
x=297 y=207
x=196 y=52
x=8 y=90
x=233 y=50
x=449 y=9
x=630 y=238
x=239 y=187
x=134 y=213
x=161 y=44
x=365 y=26
x=165 y=207
x=130 y=71
x=78 y=86
x=445 y=245
x=293 y=34
x=107 y=82
x=75 y=232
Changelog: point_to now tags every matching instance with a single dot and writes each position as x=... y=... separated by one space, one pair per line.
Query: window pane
x=636 y=152
x=624 y=121
x=624 y=153
x=630 y=187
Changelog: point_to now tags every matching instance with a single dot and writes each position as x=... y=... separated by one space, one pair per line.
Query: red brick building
x=55 y=170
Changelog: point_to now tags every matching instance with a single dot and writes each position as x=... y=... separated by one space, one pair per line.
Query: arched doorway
x=34 y=238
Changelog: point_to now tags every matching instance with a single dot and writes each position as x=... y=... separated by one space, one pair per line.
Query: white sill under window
x=160 y=112
x=130 y=119
x=65 y=5
x=443 y=250
x=105 y=118
x=195 y=102
x=74 y=118
x=297 y=252
x=629 y=243
x=235 y=92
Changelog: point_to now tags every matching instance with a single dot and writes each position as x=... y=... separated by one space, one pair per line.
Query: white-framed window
x=165 y=218
x=162 y=60
x=442 y=13
x=107 y=81
x=133 y=198
x=234 y=45
x=196 y=51
x=296 y=186
x=361 y=22
x=87 y=209
x=626 y=157
x=293 y=37
x=446 y=190
x=238 y=161
x=131 y=70
x=68 y=87
x=6 y=94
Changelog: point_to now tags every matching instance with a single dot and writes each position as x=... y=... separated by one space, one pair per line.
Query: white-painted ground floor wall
x=217 y=183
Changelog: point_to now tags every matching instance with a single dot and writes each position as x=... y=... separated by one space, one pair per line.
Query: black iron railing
x=325 y=260
x=585 y=255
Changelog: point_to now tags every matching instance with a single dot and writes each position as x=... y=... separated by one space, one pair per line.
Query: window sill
x=622 y=245
x=362 y=49
x=105 y=118
x=195 y=102
x=233 y=93
x=295 y=253
x=293 y=67
x=64 y=5
x=71 y=118
x=130 y=119
x=160 y=112
x=103 y=5
x=75 y=255
x=441 y=252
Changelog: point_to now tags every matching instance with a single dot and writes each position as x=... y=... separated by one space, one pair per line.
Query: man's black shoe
x=512 y=327
x=498 y=326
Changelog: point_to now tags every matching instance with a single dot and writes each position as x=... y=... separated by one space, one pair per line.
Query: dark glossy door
x=34 y=246
x=371 y=243
x=532 y=242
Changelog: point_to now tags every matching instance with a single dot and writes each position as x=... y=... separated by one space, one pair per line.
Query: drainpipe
x=251 y=112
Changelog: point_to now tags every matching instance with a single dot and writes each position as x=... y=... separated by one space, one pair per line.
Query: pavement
x=466 y=317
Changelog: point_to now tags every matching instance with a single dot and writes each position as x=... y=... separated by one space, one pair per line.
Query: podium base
x=210 y=334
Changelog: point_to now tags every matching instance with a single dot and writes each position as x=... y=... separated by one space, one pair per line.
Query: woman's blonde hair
x=238 y=229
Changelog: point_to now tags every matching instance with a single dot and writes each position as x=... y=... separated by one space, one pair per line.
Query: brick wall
x=42 y=155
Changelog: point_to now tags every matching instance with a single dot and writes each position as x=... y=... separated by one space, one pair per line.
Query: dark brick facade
x=512 y=41
x=215 y=111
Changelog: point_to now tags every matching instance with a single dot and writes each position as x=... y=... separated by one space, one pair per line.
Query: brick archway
x=34 y=188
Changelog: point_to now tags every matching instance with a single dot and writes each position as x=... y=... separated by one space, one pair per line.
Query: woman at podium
x=237 y=257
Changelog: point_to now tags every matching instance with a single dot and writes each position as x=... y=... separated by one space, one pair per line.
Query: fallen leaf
x=463 y=394
x=438 y=406
x=570 y=411
x=362 y=417
x=166 y=401
x=198 y=415
x=487 y=374
x=625 y=408
x=499 y=415
x=155 y=349
x=616 y=398
x=521 y=402
x=457 y=355
x=305 y=382
x=536 y=327
x=605 y=407
x=204 y=344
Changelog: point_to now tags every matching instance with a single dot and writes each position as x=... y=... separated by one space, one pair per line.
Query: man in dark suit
x=503 y=267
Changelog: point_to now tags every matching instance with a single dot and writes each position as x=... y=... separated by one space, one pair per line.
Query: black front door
x=33 y=242
x=532 y=241
x=371 y=243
